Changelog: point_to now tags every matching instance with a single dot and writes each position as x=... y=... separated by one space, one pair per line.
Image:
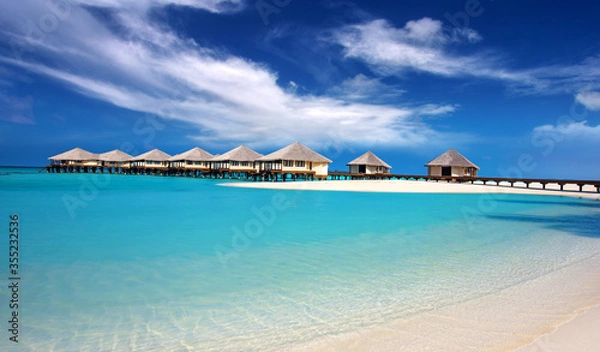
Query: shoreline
x=559 y=318
x=404 y=186
x=563 y=329
x=577 y=334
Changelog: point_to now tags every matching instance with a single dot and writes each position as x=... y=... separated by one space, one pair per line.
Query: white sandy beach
x=553 y=313
x=562 y=316
x=404 y=186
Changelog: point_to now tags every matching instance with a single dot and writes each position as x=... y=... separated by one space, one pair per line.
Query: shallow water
x=122 y=262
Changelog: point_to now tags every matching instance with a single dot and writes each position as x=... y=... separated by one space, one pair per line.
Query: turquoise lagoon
x=121 y=262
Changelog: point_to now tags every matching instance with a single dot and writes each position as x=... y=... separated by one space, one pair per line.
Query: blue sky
x=512 y=85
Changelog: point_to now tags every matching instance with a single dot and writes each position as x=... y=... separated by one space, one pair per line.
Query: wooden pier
x=280 y=176
x=496 y=181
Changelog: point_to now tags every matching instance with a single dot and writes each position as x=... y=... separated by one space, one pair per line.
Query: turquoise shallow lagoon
x=116 y=262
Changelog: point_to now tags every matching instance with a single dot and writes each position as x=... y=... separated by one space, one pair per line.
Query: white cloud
x=145 y=67
x=590 y=100
x=572 y=130
x=216 y=6
x=363 y=88
x=418 y=46
x=425 y=46
x=468 y=33
x=433 y=109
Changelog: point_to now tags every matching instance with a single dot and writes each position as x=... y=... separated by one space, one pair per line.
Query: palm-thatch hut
x=240 y=159
x=154 y=159
x=296 y=158
x=194 y=159
x=115 y=159
x=75 y=157
x=369 y=163
x=451 y=164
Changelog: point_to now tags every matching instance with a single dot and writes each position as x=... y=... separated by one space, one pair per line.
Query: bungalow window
x=288 y=163
x=235 y=163
x=244 y=163
x=300 y=164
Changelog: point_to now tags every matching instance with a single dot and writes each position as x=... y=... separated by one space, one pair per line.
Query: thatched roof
x=369 y=159
x=296 y=152
x=115 y=156
x=153 y=155
x=451 y=158
x=241 y=153
x=195 y=154
x=76 y=154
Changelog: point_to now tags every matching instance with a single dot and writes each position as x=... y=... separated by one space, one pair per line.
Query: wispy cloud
x=423 y=46
x=434 y=110
x=363 y=88
x=419 y=46
x=571 y=131
x=17 y=110
x=215 y=6
x=590 y=100
x=145 y=67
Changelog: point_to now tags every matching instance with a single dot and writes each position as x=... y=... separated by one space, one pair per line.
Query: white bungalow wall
x=188 y=164
x=151 y=164
x=238 y=166
x=116 y=163
x=78 y=162
x=92 y=163
x=320 y=169
x=457 y=171
x=354 y=169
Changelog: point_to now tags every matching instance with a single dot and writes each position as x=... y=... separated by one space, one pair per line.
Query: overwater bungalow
x=75 y=157
x=295 y=159
x=115 y=160
x=369 y=163
x=240 y=159
x=451 y=164
x=153 y=160
x=194 y=159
